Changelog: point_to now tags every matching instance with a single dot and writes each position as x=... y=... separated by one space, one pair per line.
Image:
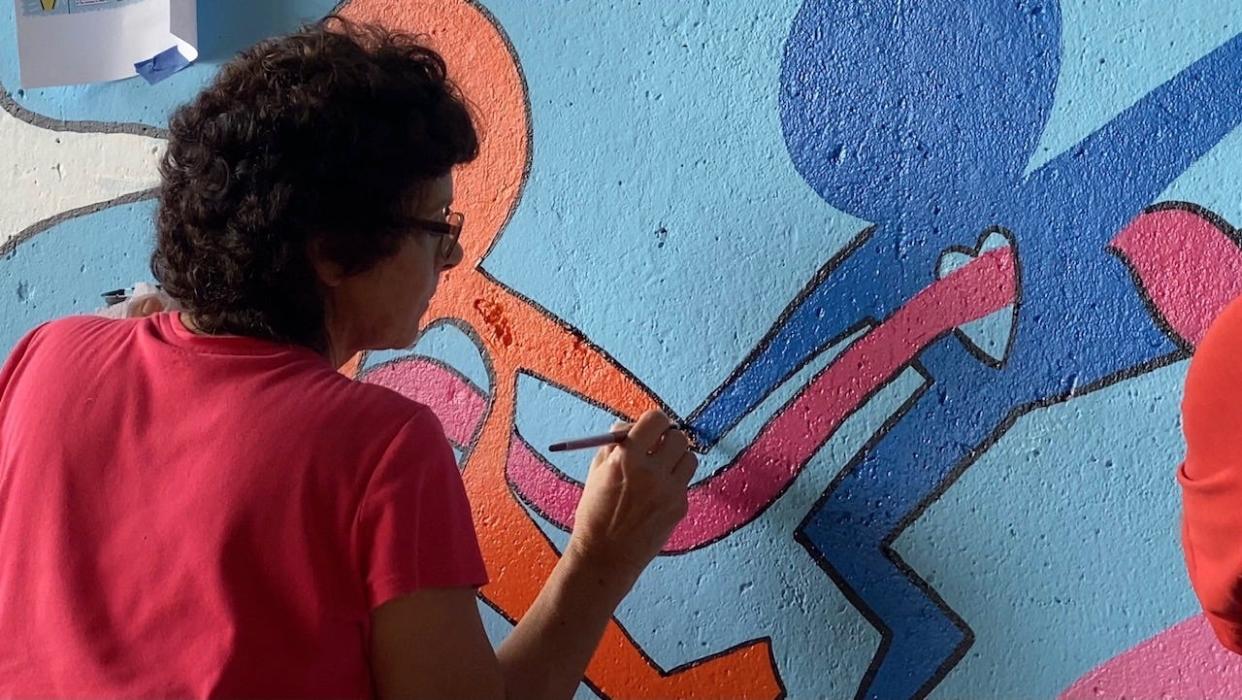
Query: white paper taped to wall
x=64 y=42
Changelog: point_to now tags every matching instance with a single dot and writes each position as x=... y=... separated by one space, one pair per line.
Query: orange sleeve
x=1211 y=475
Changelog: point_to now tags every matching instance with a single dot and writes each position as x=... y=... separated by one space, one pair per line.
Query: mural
x=921 y=277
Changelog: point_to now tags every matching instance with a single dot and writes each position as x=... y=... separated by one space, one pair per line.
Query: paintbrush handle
x=593 y=441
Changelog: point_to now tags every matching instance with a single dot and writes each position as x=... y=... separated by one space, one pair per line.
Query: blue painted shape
x=877 y=99
x=850 y=529
x=922 y=117
x=162 y=65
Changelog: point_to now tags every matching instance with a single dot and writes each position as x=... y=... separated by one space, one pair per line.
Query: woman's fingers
x=674 y=444
x=645 y=434
x=145 y=306
x=685 y=468
x=602 y=453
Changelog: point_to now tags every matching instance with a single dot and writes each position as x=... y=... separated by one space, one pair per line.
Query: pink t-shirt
x=195 y=516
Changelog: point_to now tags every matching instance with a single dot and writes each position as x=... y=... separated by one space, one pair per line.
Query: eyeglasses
x=448 y=231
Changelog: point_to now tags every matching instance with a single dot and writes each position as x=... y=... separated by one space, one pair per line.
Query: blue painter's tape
x=161 y=65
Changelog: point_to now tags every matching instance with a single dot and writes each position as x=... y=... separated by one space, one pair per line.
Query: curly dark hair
x=320 y=135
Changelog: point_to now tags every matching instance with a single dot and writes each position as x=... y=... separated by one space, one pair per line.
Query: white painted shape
x=48 y=172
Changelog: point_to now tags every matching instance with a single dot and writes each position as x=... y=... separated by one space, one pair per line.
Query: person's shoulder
x=374 y=405
x=68 y=325
x=1227 y=326
x=68 y=329
x=1219 y=349
x=1213 y=384
x=378 y=424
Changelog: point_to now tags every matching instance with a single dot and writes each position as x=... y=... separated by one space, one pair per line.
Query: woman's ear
x=329 y=272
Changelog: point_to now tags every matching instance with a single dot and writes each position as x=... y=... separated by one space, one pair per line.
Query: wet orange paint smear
x=494 y=316
x=517 y=336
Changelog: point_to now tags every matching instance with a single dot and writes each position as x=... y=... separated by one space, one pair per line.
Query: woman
x=195 y=503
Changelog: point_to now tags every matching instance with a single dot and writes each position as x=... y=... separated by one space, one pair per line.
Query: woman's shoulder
x=1215 y=357
x=69 y=325
x=1211 y=400
x=66 y=333
x=366 y=404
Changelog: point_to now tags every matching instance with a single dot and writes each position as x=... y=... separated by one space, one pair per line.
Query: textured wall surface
x=923 y=276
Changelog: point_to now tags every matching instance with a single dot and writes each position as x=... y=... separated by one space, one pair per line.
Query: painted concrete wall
x=923 y=275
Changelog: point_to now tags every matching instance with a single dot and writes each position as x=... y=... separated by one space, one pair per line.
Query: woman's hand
x=145 y=305
x=147 y=299
x=635 y=495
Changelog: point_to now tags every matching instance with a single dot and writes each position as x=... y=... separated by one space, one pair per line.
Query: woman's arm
x=431 y=643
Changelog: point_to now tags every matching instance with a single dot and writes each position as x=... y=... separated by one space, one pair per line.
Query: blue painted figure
x=921 y=118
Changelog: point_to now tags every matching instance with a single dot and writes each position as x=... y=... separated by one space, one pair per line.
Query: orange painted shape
x=350 y=368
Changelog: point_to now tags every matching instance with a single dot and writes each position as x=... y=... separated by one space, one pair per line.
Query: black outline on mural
x=14 y=109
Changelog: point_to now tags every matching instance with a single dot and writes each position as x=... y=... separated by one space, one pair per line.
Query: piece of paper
x=65 y=42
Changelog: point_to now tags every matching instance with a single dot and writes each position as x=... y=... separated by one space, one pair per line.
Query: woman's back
x=211 y=515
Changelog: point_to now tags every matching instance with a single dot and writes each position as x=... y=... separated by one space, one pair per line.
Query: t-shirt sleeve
x=414 y=528
x=1211 y=476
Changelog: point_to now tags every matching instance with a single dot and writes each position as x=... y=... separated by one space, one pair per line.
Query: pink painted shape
x=739 y=492
x=1184 y=661
x=557 y=497
x=1189 y=266
x=459 y=405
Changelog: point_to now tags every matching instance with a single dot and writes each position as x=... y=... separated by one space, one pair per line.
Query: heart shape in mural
x=990 y=337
